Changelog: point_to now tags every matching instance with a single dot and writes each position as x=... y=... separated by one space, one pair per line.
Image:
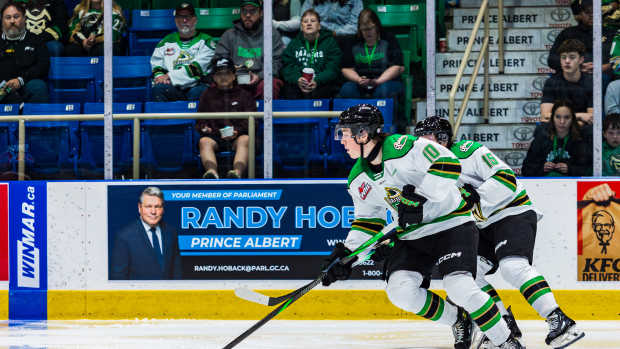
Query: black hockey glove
x=470 y=195
x=410 y=208
x=382 y=252
x=338 y=271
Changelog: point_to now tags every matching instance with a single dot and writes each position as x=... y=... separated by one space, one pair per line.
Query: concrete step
x=518 y=17
x=514 y=39
x=500 y=111
x=513 y=158
x=532 y=62
x=500 y=87
x=516 y=3
x=506 y=137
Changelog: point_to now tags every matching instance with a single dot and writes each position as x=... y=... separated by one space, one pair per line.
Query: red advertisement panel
x=4 y=232
x=598 y=230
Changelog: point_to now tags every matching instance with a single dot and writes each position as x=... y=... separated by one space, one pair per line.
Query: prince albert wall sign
x=598 y=235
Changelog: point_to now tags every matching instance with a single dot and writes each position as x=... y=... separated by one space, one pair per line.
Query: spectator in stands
x=286 y=18
x=243 y=44
x=181 y=59
x=47 y=19
x=570 y=83
x=313 y=48
x=612 y=93
x=24 y=60
x=582 y=32
x=221 y=134
x=86 y=29
x=611 y=145
x=374 y=63
x=559 y=148
x=611 y=14
x=339 y=16
x=146 y=249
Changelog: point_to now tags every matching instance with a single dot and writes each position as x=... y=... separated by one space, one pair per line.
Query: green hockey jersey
x=501 y=193
x=431 y=168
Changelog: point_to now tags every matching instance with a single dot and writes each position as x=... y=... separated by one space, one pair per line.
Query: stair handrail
x=484 y=53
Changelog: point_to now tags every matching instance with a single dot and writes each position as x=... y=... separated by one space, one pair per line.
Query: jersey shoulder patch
x=396 y=146
x=464 y=149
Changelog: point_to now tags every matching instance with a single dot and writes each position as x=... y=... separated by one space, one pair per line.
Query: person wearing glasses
x=243 y=44
x=182 y=59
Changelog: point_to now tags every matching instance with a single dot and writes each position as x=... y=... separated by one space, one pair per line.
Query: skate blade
x=573 y=335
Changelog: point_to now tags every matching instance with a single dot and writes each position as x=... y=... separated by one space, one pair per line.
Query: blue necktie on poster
x=158 y=252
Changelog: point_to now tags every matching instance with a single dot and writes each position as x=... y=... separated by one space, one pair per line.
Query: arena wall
x=78 y=286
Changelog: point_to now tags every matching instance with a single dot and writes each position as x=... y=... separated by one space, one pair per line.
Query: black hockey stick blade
x=256 y=297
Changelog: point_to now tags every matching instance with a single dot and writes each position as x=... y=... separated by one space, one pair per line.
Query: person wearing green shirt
x=316 y=49
x=611 y=145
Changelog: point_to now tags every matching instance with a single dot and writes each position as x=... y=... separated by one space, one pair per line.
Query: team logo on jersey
x=465 y=146
x=604 y=226
x=400 y=142
x=364 y=189
x=392 y=196
x=169 y=51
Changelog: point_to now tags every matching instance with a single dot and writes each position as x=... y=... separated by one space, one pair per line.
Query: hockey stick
x=253 y=296
x=295 y=295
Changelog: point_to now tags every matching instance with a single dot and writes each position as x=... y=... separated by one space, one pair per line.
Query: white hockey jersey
x=184 y=61
x=501 y=193
x=431 y=168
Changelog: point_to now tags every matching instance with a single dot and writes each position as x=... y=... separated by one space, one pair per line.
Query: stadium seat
x=132 y=79
x=72 y=79
x=8 y=139
x=168 y=145
x=299 y=144
x=147 y=28
x=215 y=21
x=51 y=146
x=90 y=160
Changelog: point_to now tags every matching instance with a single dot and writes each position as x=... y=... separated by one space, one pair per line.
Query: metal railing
x=251 y=116
x=484 y=54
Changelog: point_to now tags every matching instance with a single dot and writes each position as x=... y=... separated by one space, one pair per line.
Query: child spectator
x=181 y=59
x=219 y=134
x=559 y=148
x=86 y=29
x=570 y=83
x=374 y=63
x=313 y=48
x=611 y=145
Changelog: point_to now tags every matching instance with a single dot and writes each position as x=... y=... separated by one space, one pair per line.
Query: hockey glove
x=338 y=271
x=410 y=208
x=382 y=252
x=470 y=195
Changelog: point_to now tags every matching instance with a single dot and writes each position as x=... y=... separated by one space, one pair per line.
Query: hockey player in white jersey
x=507 y=222
x=416 y=180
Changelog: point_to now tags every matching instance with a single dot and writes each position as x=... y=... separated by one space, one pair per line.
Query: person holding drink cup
x=311 y=62
x=223 y=134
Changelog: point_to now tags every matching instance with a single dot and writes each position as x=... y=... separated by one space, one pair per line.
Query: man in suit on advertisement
x=146 y=249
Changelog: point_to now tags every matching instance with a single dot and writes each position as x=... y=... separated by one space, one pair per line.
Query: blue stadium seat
x=132 y=79
x=90 y=160
x=51 y=146
x=72 y=79
x=169 y=145
x=300 y=144
x=339 y=162
x=148 y=27
x=8 y=138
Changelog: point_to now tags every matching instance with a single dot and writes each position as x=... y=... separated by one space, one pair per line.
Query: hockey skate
x=481 y=341
x=562 y=330
x=462 y=330
x=512 y=324
x=511 y=343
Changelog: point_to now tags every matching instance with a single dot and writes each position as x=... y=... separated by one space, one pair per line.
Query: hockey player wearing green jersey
x=507 y=223
x=415 y=179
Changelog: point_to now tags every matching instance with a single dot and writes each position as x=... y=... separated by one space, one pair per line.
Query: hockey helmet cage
x=359 y=120
x=441 y=128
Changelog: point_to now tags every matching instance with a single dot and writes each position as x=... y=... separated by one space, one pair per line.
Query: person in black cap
x=243 y=44
x=221 y=134
x=181 y=59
